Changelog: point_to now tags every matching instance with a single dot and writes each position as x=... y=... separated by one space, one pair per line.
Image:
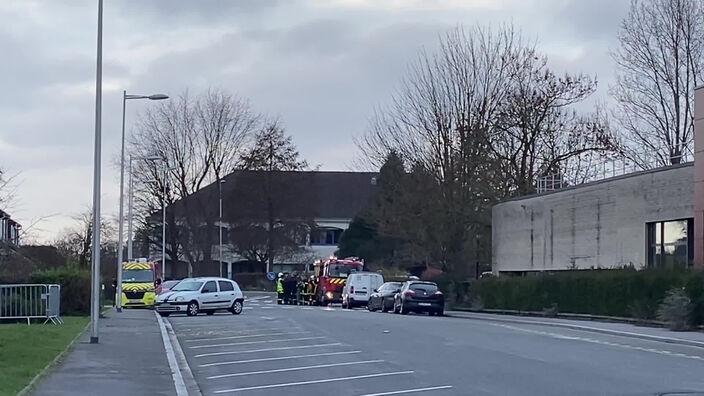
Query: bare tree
x=75 y=241
x=198 y=141
x=659 y=63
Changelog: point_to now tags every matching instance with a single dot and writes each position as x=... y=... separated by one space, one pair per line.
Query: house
x=310 y=209
x=9 y=229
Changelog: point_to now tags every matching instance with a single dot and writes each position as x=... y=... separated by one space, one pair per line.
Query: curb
x=184 y=382
x=30 y=385
x=668 y=340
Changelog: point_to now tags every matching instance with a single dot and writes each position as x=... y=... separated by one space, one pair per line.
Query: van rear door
x=362 y=287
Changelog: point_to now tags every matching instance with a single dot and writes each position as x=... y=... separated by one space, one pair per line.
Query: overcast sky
x=321 y=66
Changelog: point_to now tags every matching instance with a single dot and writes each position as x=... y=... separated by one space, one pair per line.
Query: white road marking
x=322 y=381
x=279 y=358
x=601 y=342
x=246 y=336
x=416 y=390
x=267 y=350
x=266 y=307
x=295 y=369
x=203 y=332
x=254 y=342
x=171 y=357
x=307 y=308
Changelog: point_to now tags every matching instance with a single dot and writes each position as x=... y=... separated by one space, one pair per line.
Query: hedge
x=622 y=293
x=75 y=287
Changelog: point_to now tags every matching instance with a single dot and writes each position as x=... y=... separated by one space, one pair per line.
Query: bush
x=622 y=292
x=676 y=310
x=75 y=287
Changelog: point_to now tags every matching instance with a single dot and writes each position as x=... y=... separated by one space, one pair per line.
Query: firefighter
x=280 y=289
x=312 y=289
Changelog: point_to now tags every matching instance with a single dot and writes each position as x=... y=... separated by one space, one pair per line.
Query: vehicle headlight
x=179 y=298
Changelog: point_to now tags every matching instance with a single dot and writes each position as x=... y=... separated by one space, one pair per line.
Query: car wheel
x=210 y=313
x=370 y=306
x=164 y=314
x=236 y=308
x=192 y=309
x=440 y=312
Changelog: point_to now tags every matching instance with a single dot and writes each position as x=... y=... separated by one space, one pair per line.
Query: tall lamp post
x=125 y=97
x=95 y=278
x=220 y=183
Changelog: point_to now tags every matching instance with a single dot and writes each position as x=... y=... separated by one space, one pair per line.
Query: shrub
x=676 y=310
x=75 y=287
x=620 y=292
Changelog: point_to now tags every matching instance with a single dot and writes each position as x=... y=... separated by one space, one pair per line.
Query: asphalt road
x=287 y=350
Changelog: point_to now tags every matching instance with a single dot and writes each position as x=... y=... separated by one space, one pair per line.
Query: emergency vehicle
x=138 y=283
x=332 y=274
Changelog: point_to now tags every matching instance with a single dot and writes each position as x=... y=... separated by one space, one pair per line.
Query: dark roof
x=309 y=194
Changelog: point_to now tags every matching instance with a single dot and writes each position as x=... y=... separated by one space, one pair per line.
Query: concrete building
x=642 y=219
x=652 y=218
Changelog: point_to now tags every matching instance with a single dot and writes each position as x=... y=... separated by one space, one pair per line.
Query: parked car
x=194 y=295
x=358 y=287
x=383 y=298
x=419 y=296
x=167 y=286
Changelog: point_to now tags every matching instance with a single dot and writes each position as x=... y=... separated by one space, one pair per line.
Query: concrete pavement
x=322 y=351
x=129 y=360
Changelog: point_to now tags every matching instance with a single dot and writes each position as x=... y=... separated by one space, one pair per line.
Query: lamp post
x=118 y=292
x=95 y=279
x=220 y=183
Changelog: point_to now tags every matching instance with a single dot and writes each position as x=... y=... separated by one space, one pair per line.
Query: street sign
x=271 y=276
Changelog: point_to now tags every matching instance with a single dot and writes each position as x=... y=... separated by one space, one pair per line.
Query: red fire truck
x=332 y=274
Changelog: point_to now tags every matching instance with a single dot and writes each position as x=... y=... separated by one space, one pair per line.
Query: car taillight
x=409 y=293
x=351 y=289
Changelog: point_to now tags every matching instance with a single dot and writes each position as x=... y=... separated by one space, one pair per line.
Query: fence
x=31 y=301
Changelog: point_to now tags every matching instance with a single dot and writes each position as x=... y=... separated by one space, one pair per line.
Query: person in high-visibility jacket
x=280 y=289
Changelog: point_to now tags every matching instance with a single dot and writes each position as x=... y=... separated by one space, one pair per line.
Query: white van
x=358 y=288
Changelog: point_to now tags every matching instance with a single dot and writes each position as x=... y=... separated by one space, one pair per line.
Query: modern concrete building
x=652 y=218
x=642 y=219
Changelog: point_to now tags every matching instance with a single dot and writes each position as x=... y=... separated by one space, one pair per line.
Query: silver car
x=194 y=295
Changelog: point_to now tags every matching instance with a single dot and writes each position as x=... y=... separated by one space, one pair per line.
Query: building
x=323 y=203
x=9 y=229
x=642 y=219
x=646 y=219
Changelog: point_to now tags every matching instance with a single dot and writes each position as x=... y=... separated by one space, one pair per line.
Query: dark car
x=383 y=297
x=419 y=296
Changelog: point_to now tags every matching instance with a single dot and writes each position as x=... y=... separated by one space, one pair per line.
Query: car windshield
x=170 y=284
x=390 y=286
x=188 y=286
x=341 y=270
x=137 y=276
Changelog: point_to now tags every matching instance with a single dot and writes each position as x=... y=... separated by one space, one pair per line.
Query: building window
x=670 y=245
x=325 y=236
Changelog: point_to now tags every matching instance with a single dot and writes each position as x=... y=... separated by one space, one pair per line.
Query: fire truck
x=138 y=283
x=332 y=274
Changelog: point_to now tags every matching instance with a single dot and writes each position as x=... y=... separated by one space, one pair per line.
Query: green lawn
x=25 y=350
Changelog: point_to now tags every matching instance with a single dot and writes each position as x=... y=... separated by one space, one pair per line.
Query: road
x=287 y=350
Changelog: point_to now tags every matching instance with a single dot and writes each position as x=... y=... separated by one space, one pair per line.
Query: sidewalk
x=689 y=338
x=129 y=360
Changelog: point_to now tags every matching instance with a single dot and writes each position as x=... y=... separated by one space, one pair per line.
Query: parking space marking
x=246 y=336
x=322 y=381
x=254 y=342
x=266 y=350
x=279 y=358
x=416 y=390
x=295 y=369
x=202 y=331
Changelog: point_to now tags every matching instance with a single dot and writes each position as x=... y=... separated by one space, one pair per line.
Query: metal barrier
x=31 y=301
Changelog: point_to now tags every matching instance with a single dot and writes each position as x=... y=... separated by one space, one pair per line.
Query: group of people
x=295 y=289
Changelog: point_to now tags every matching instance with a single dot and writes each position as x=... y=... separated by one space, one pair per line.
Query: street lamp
x=125 y=97
x=220 y=183
x=95 y=276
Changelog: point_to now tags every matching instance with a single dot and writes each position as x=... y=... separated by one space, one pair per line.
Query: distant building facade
x=9 y=229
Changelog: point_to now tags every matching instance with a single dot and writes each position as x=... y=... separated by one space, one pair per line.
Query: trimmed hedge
x=623 y=292
x=75 y=287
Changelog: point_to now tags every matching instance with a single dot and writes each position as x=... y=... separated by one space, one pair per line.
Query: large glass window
x=669 y=244
x=325 y=236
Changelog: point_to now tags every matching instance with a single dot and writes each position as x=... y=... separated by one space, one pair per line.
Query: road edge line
x=45 y=370
x=179 y=384
x=667 y=340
